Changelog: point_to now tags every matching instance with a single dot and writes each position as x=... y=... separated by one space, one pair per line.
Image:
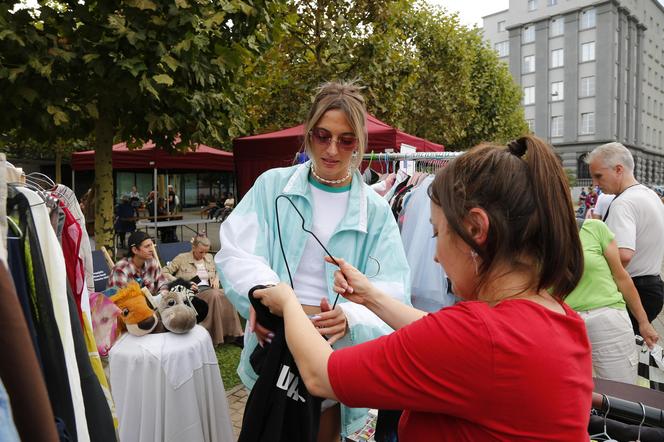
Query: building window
x=557 y=58
x=552 y=2
x=503 y=48
x=532 y=5
x=528 y=34
x=557 y=126
x=501 y=26
x=588 y=18
x=557 y=26
x=588 y=51
x=528 y=64
x=531 y=125
x=588 y=123
x=588 y=86
x=557 y=91
x=529 y=95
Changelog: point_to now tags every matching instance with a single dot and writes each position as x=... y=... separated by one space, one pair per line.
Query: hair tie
x=517 y=147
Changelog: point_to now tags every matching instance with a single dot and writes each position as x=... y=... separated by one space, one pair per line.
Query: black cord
x=281 y=244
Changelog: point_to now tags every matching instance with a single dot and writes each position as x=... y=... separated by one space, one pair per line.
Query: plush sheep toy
x=176 y=311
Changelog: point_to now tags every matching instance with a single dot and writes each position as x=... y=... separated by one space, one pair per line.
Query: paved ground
x=237 y=398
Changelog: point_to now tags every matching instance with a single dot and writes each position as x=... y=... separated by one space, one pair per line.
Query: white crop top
x=329 y=208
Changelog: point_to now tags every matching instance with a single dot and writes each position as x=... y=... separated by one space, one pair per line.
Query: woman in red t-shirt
x=513 y=361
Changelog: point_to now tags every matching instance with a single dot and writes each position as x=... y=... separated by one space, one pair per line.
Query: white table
x=167 y=387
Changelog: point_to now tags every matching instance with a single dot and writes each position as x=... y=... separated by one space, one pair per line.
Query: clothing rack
x=394 y=156
x=627 y=411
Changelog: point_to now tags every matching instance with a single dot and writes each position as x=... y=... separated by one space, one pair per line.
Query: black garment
x=624 y=432
x=53 y=367
x=279 y=407
x=387 y=426
x=16 y=263
x=651 y=292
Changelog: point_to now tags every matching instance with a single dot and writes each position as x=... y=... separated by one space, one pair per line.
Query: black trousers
x=651 y=292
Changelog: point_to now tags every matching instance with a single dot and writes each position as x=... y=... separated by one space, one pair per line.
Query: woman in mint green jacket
x=346 y=215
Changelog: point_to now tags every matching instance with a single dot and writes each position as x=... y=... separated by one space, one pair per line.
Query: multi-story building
x=591 y=72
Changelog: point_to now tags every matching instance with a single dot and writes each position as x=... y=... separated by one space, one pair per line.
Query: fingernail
x=260 y=343
x=315 y=318
x=270 y=335
x=269 y=341
x=350 y=290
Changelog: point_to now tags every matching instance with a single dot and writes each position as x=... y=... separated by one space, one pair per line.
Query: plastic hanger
x=41 y=178
x=15 y=229
x=643 y=419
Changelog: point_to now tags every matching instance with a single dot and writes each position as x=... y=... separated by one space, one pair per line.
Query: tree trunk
x=104 y=231
x=58 y=165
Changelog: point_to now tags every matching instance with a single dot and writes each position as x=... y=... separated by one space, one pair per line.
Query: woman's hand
x=648 y=333
x=215 y=283
x=331 y=323
x=276 y=297
x=351 y=283
x=263 y=335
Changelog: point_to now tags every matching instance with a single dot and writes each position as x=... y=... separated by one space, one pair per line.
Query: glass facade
x=193 y=189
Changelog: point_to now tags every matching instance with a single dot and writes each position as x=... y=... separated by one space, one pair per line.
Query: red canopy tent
x=255 y=154
x=149 y=157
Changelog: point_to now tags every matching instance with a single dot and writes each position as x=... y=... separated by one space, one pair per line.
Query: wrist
x=373 y=298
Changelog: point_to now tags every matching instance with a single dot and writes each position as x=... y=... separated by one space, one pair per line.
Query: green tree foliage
x=166 y=70
x=424 y=72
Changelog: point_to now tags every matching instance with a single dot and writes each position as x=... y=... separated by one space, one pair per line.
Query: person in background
x=473 y=371
x=636 y=217
x=222 y=319
x=135 y=198
x=603 y=202
x=591 y=199
x=140 y=265
x=600 y=299
x=343 y=212
x=125 y=219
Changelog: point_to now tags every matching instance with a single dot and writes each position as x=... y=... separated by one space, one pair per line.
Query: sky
x=472 y=11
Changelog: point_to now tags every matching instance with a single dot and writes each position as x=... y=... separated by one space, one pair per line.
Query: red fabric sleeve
x=441 y=363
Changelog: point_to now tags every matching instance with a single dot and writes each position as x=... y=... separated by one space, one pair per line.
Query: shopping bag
x=651 y=366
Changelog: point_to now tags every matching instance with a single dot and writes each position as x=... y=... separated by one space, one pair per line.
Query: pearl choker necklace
x=324 y=181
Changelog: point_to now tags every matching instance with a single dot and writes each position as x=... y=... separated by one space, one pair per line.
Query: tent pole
x=73 y=182
x=155 y=200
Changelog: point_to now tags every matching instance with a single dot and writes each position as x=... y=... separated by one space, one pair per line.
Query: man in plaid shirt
x=140 y=266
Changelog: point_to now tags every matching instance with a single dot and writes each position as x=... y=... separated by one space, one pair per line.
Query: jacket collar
x=356 y=212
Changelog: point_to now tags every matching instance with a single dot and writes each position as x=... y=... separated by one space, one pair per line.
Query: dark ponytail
x=525 y=193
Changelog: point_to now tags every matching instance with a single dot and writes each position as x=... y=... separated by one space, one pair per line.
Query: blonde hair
x=346 y=97
x=200 y=240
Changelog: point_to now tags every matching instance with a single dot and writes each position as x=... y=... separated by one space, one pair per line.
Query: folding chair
x=166 y=252
x=101 y=268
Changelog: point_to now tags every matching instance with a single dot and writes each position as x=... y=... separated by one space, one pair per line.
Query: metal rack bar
x=382 y=156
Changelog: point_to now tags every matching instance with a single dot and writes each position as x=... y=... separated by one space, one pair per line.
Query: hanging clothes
x=70 y=240
x=20 y=373
x=45 y=243
x=429 y=289
x=3 y=209
x=16 y=262
x=68 y=198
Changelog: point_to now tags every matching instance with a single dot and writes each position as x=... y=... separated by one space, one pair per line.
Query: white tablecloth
x=167 y=387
